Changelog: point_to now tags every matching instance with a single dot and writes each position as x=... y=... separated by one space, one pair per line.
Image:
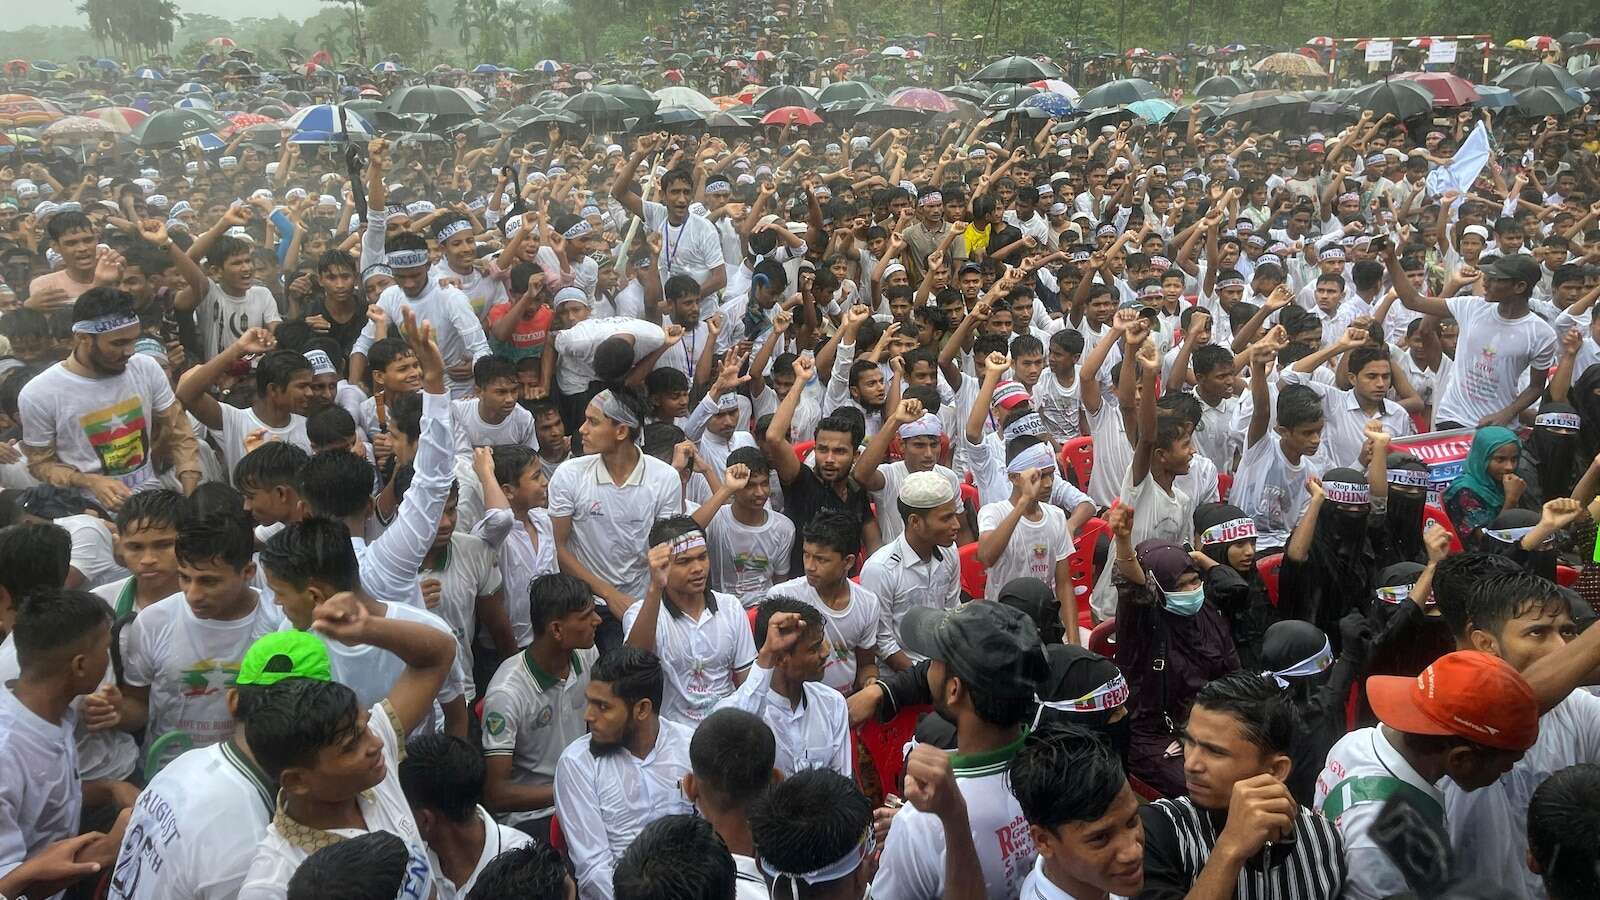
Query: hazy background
x=21 y=13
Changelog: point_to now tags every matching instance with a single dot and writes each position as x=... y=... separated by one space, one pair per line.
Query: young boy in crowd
x=146 y=539
x=1025 y=535
x=852 y=617
x=749 y=543
x=493 y=417
x=1055 y=394
x=554 y=443
x=1271 y=482
x=517 y=526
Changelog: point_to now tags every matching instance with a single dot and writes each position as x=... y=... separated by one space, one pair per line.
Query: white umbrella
x=893 y=51
x=687 y=97
x=1057 y=86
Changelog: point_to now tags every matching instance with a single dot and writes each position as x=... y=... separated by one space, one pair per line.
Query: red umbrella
x=791 y=115
x=245 y=120
x=925 y=99
x=1447 y=89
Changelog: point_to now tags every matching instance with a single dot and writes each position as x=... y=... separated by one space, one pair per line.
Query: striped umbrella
x=148 y=74
x=925 y=99
x=324 y=117
x=22 y=110
x=122 y=119
x=388 y=67
x=245 y=120
x=547 y=67
x=78 y=130
x=193 y=101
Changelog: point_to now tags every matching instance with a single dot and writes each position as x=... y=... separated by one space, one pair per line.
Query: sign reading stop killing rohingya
x=1443 y=452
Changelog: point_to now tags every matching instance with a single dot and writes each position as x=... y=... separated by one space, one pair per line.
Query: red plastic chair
x=1081 y=566
x=974 y=577
x=1077 y=461
x=885 y=743
x=556 y=840
x=969 y=497
x=1103 y=639
x=1566 y=576
x=1431 y=513
x=803 y=449
x=751 y=612
x=1268 y=568
x=1224 y=485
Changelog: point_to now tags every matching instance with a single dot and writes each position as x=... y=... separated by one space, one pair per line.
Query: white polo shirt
x=472 y=431
x=195 y=828
x=860 y=625
x=287 y=843
x=699 y=657
x=605 y=801
x=1366 y=754
x=813 y=733
x=901 y=579
x=522 y=558
x=532 y=717
x=1038 y=886
x=610 y=522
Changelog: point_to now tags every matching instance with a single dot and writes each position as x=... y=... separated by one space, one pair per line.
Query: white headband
x=689 y=540
x=1035 y=457
x=1347 y=492
x=1408 y=477
x=927 y=426
x=1558 y=420
x=406 y=259
x=1110 y=695
x=616 y=411
x=1028 y=424
x=1508 y=535
x=320 y=363
x=578 y=230
x=1311 y=665
x=1395 y=594
x=453 y=229
x=844 y=865
x=104 y=324
x=1229 y=531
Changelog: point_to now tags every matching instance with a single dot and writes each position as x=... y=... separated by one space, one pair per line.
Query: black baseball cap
x=1514 y=267
x=990 y=644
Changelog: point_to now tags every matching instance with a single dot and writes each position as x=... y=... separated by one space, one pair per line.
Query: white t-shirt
x=1113 y=455
x=912 y=864
x=890 y=525
x=383 y=807
x=40 y=797
x=103 y=426
x=482 y=291
x=1271 y=491
x=521 y=560
x=1034 y=549
x=699 y=657
x=1492 y=354
x=470 y=571
x=576 y=346
x=1366 y=753
x=473 y=431
x=221 y=318
x=371 y=672
x=693 y=248
x=1058 y=404
x=195 y=828
x=238 y=424
x=93 y=553
x=188 y=663
x=610 y=522
x=860 y=625
x=558 y=273
x=531 y=717
x=746 y=560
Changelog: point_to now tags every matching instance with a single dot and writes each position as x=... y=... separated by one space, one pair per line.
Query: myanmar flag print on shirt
x=120 y=436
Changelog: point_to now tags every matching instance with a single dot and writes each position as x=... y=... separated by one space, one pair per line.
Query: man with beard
x=94 y=420
x=624 y=773
x=283 y=389
x=923 y=236
x=460 y=335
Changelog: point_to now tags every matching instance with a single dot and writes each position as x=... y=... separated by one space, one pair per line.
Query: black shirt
x=807 y=494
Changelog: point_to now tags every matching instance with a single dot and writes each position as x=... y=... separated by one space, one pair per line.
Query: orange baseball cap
x=1472 y=695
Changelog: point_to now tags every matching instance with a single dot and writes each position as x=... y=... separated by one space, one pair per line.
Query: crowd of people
x=960 y=511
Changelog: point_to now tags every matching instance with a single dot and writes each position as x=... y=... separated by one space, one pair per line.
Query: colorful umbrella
x=1137 y=51
x=17 y=110
x=1054 y=104
x=324 y=117
x=913 y=54
x=194 y=101
x=78 y=130
x=1153 y=110
x=122 y=119
x=1056 y=86
x=1447 y=89
x=925 y=99
x=193 y=87
x=148 y=74
x=1290 y=64
x=222 y=43
x=1323 y=42
x=245 y=120
x=547 y=67
x=1421 y=43
x=388 y=67
x=1543 y=42
x=791 y=115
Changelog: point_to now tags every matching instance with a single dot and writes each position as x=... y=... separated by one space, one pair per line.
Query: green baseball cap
x=285 y=654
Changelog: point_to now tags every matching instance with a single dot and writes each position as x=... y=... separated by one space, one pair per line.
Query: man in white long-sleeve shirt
x=625 y=773
x=459 y=334
x=809 y=719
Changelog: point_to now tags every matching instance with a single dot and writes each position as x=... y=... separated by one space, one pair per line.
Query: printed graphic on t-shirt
x=205 y=677
x=750 y=569
x=119 y=435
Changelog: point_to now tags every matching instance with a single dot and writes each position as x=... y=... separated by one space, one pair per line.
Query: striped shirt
x=1178 y=841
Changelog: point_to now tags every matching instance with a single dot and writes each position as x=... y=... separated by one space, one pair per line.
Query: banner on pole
x=1380 y=51
x=1442 y=52
x=1444 y=453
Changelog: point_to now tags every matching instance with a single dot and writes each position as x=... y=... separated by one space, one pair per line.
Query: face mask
x=1185 y=603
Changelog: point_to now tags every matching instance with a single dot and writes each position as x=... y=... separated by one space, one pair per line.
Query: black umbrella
x=1017 y=70
x=781 y=96
x=1588 y=79
x=679 y=118
x=1116 y=93
x=429 y=100
x=1210 y=108
x=1401 y=98
x=601 y=112
x=877 y=112
x=638 y=100
x=516 y=115
x=172 y=126
x=1573 y=39
x=480 y=132
x=1100 y=118
x=1024 y=113
x=1221 y=86
x=977 y=93
x=1545 y=101
x=727 y=123
x=1536 y=74
x=840 y=111
x=1008 y=97
x=1258 y=106
x=847 y=90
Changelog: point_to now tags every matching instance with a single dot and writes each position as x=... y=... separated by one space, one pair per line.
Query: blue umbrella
x=1051 y=102
x=193 y=102
x=1152 y=110
x=324 y=117
x=148 y=74
x=210 y=143
x=193 y=87
x=388 y=67
x=110 y=65
x=547 y=66
x=1492 y=96
x=485 y=69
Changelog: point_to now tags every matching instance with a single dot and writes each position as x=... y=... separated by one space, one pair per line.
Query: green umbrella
x=638 y=101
